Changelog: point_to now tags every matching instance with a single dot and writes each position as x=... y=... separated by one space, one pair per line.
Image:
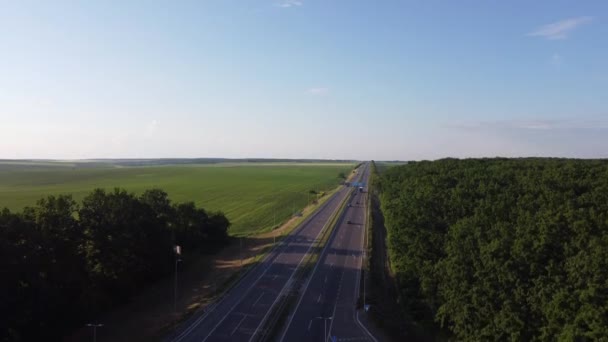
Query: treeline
x=64 y=263
x=502 y=249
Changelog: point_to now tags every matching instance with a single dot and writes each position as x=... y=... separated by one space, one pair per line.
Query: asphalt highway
x=327 y=306
x=241 y=311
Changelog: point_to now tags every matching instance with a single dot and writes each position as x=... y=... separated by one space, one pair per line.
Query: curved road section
x=241 y=311
x=327 y=308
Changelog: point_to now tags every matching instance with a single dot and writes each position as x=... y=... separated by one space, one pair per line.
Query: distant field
x=385 y=165
x=251 y=195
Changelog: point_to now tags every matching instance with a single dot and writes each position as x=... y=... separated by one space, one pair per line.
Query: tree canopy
x=502 y=249
x=63 y=262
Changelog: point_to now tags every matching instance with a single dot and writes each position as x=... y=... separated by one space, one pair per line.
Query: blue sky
x=303 y=79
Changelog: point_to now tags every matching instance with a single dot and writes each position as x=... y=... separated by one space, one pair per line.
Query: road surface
x=240 y=313
x=327 y=306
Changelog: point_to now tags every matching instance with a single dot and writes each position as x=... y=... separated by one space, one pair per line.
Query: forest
x=501 y=249
x=64 y=262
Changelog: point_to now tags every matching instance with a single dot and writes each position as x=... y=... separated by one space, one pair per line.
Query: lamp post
x=94 y=326
x=325 y=319
x=178 y=253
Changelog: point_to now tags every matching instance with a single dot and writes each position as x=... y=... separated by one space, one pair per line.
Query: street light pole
x=325 y=325
x=175 y=289
x=94 y=326
x=178 y=252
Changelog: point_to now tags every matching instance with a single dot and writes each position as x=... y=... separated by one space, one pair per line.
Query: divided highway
x=327 y=308
x=241 y=311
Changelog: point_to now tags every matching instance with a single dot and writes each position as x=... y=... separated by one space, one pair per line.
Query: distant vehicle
x=349 y=222
x=360 y=189
x=350 y=205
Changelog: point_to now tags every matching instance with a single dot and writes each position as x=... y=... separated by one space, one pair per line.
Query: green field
x=252 y=195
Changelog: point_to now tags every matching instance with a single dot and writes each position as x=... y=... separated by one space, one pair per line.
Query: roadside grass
x=275 y=324
x=255 y=249
x=203 y=282
x=260 y=201
x=255 y=198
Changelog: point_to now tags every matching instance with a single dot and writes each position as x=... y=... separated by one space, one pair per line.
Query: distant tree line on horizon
x=501 y=249
x=64 y=263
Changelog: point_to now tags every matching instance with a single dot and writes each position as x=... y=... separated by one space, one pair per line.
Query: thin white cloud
x=560 y=29
x=289 y=3
x=544 y=124
x=319 y=91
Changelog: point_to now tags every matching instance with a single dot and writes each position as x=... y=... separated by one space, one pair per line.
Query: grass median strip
x=284 y=230
x=277 y=318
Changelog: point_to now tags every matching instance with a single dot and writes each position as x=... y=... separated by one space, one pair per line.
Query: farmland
x=254 y=196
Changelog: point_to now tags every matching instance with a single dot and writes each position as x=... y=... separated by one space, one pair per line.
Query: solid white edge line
x=324 y=252
x=270 y=309
x=197 y=322
x=357 y=284
x=306 y=287
x=238 y=325
x=251 y=288
x=356 y=312
x=338 y=295
x=281 y=244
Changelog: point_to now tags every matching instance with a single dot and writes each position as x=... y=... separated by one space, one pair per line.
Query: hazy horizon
x=303 y=79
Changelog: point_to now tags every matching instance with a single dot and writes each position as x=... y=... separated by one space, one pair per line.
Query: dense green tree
x=502 y=249
x=63 y=263
x=42 y=272
x=19 y=259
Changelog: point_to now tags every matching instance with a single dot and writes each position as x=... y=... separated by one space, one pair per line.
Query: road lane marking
x=362 y=253
x=355 y=312
x=238 y=325
x=324 y=256
x=289 y=281
x=290 y=239
x=257 y=300
x=324 y=252
x=249 y=289
x=309 y=324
